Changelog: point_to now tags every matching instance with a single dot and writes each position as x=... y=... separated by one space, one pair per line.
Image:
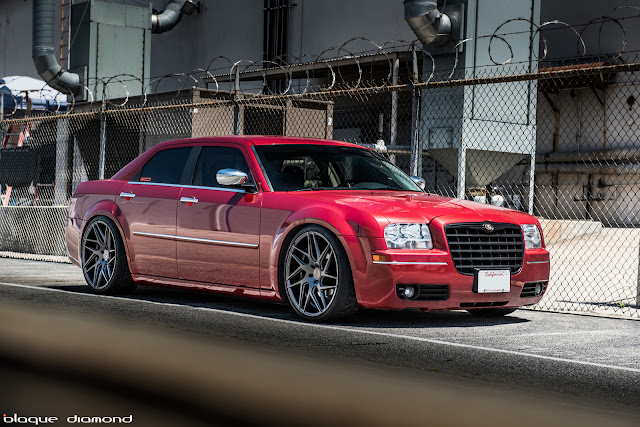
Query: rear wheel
x=317 y=276
x=491 y=312
x=104 y=262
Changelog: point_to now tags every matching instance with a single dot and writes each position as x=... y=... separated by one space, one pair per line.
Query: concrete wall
x=582 y=128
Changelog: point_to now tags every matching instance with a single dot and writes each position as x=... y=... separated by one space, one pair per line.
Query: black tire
x=103 y=258
x=491 y=312
x=330 y=283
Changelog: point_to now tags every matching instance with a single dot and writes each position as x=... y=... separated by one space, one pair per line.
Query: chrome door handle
x=188 y=200
x=127 y=196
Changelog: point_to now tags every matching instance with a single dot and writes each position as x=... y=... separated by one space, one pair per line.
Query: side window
x=166 y=166
x=212 y=159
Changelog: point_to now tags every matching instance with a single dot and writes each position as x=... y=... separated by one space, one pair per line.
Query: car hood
x=410 y=207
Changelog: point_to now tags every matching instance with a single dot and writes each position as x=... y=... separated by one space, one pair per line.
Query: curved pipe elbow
x=169 y=18
x=426 y=21
x=59 y=79
x=43 y=52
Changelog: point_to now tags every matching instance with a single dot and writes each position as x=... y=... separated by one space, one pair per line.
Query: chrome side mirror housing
x=420 y=182
x=231 y=177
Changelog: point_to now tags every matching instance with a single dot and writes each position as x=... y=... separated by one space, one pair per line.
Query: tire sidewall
x=344 y=295
x=121 y=263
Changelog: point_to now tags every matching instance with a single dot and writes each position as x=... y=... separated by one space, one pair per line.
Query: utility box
x=110 y=49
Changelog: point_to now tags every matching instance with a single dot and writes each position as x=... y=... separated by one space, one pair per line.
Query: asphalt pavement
x=583 y=363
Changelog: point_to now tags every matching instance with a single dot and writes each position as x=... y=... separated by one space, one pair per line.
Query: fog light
x=538 y=288
x=409 y=292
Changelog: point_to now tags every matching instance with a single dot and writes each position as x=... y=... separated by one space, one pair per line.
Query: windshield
x=327 y=167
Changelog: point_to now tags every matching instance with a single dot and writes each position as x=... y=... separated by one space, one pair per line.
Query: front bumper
x=377 y=287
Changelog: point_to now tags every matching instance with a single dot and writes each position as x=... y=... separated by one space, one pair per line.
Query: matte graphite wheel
x=104 y=262
x=317 y=277
x=491 y=312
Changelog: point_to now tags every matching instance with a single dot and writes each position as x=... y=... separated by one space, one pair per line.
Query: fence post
x=62 y=162
x=638 y=285
x=103 y=138
x=236 y=106
x=532 y=179
x=462 y=170
x=416 y=147
x=394 y=104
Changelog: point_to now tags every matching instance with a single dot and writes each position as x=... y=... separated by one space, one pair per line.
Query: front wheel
x=491 y=312
x=317 y=276
x=104 y=261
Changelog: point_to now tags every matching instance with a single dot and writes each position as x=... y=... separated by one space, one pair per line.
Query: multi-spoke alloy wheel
x=98 y=255
x=103 y=261
x=316 y=275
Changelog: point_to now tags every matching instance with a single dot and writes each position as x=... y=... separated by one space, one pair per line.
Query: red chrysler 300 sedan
x=322 y=225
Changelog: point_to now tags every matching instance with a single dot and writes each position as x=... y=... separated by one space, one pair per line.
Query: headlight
x=408 y=236
x=532 y=237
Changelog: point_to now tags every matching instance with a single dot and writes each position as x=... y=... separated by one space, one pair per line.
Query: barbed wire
x=365 y=77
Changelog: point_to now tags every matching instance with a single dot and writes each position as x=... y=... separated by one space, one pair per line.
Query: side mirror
x=420 y=182
x=231 y=177
x=235 y=178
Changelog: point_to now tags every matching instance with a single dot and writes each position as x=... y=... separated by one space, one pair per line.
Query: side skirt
x=207 y=287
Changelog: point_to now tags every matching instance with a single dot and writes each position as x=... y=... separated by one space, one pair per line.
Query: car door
x=218 y=228
x=148 y=206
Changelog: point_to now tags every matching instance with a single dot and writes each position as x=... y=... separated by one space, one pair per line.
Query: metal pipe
x=172 y=15
x=584 y=169
x=426 y=21
x=615 y=155
x=43 y=52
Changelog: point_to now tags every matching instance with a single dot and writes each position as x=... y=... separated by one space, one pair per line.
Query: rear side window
x=166 y=166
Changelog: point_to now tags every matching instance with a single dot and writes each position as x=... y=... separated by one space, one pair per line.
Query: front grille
x=529 y=289
x=473 y=247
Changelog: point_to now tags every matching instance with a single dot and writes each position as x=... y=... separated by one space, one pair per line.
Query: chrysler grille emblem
x=488 y=227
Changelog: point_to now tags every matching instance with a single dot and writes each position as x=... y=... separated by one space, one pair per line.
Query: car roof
x=246 y=140
x=262 y=140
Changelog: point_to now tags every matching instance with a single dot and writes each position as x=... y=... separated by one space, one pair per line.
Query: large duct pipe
x=172 y=15
x=43 y=52
x=426 y=21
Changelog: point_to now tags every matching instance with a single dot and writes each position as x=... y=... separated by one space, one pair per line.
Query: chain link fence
x=561 y=142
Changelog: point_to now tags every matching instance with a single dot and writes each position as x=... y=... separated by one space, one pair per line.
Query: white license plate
x=494 y=281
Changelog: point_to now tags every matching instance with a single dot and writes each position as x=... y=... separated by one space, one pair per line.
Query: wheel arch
x=108 y=209
x=287 y=236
